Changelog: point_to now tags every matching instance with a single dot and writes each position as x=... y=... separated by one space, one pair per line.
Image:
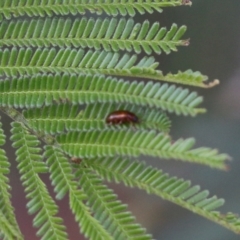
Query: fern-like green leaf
x=60 y=173
x=6 y=207
x=105 y=143
x=62 y=179
x=108 y=210
x=154 y=181
x=46 y=89
x=7 y=230
x=111 y=34
x=44 y=60
x=59 y=118
x=110 y=7
x=29 y=61
x=30 y=165
x=190 y=78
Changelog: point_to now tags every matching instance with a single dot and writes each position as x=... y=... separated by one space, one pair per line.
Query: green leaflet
x=36 y=8
x=28 y=61
x=106 y=143
x=46 y=89
x=108 y=210
x=7 y=230
x=8 y=220
x=109 y=34
x=63 y=180
x=30 y=164
x=154 y=181
x=59 y=118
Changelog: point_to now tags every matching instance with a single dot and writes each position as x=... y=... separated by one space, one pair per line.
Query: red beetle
x=76 y=160
x=121 y=117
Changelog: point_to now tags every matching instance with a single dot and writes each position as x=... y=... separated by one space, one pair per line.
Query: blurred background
x=214 y=30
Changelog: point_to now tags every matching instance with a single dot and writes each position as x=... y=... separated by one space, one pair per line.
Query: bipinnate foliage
x=9 y=226
x=42 y=90
x=109 y=34
x=92 y=144
x=59 y=118
x=63 y=181
x=112 y=7
x=30 y=164
x=61 y=77
x=28 y=61
x=108 y=210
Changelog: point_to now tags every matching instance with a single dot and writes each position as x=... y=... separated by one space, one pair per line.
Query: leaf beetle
x=121 y=117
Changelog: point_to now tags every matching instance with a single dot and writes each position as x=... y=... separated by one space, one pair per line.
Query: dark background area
x=213 y=27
